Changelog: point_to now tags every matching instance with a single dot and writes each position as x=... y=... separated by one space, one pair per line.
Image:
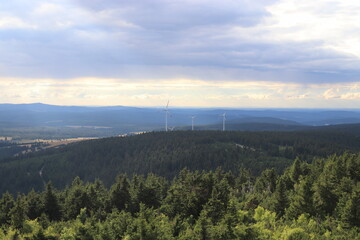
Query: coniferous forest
x=294 y=192
x=167 y=153
x=320 y=200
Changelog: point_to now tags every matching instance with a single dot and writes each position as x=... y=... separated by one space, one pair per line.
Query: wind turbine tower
x=192 y=123
x=224 y=118
x=166 y=110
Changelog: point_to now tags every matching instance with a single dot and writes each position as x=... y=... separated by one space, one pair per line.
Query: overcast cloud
x=286 y=41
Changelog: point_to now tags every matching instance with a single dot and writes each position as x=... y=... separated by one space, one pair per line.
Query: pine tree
x=34 y=205
x=295 y=170
x=325 y=196
x=266 y=182
x=280 y=198
x=76 y=199
x=202 y=226
x=18 y=213
x=51 y=204
x=119 y=193
x=217 y=205
x=350 y=214
x=302 y=201
x=6 y=204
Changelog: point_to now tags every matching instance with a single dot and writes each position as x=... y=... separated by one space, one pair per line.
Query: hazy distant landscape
x=29 y=128
x=41 y=121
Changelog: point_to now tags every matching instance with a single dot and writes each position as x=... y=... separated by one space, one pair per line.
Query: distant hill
x=269 y=120
x=49 y=121
x=166 y=153
x=353 y=129
x=257 y=126
x=336 y=121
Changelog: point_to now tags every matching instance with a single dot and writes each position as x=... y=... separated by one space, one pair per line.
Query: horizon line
x=186 y=107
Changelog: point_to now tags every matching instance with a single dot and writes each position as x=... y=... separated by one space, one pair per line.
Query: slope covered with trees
x=320 y=200
x=166 y=153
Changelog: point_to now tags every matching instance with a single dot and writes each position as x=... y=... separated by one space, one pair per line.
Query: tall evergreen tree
x=76 y=199
x=35 y=206
x=51 y=203
x=119 y=193
x=267 y=181
x=6 y=204
x=18 y=212
x=295 y=170
x=350 y=214
x=216 y=207
x=302 y=201
x=280 y=198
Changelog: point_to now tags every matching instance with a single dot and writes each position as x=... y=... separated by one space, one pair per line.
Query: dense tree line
x=318 y=200
x=165 y=154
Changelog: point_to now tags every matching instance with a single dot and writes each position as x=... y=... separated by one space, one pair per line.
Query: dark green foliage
x=18 y=212
x=302 y=199
x=120 y=193
x=35 y=206
x=295 y=170
x=266 y=181
x=165 y=154
x=6 y=204
x=51 y=204
x=216 y=206
x=281 y=201
x=350 y=211
x=115 y=225
x=76 y=198
x=188 y=194
x=333 y=181
x=150 y=191
x=322 y=202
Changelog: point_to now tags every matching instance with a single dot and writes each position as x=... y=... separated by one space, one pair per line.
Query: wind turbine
x=224 y=118
x=192 y=123
x=166 y=110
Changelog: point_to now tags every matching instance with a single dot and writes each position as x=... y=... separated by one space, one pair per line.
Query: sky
x=195 y=53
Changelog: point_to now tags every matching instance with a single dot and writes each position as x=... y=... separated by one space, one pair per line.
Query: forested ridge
x=318 y=200
x=166 y=153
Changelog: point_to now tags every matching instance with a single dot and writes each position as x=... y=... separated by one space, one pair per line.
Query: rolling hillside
x=167 y=153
